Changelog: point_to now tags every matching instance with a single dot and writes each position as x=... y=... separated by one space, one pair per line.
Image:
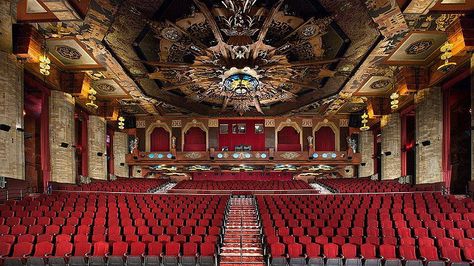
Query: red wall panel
x=257 y=141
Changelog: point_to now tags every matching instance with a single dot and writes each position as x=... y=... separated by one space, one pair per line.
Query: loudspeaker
x=64 y=145
x=100 y=154
x=362 y=164
x=135 y=157
x=355 y=120
x=20 y=129
x=4 y=127
x=130 y=122
x=426 y=143
x=122 y=164
x=387 y=153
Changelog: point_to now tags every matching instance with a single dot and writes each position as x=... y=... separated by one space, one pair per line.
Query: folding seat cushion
x=189 y=255
x=172 y=252
x=207 y=256
x=277 y=254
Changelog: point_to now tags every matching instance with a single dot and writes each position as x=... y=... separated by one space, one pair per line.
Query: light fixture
x=445 y=55
x=364 y=121
x=44 y=64
x=394 y=100
x=121 y=124
x=92 y=98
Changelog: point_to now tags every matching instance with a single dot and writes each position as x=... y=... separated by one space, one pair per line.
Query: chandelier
x=364 y=121
x=240 y=82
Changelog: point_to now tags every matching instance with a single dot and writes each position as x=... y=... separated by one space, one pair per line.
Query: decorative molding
x=176 y=123
x=290 y=155
x=307 y=123
x=141 y=124
x=269 y=122
x=213 y=123
x=343 y=122
x=193 y=155
x=150 y=129
x=334 y=128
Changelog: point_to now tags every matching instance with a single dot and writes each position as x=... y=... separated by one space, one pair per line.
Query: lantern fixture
x=92 y=99
x=394 y=100
x=121 y=123
x=44 y=65
x=364 y=121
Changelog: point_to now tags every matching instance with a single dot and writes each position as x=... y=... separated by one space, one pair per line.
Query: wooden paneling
x=270 y=137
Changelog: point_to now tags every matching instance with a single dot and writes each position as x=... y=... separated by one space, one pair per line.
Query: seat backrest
x=43 y=248
x=172 y=249
x=349 y=251
x=429 y=252
x=155 y=248
x=295 y=250
x=5 y=249
x=119 y=248
x=313 y=250
x=101 y=248
x=63 y=248
x=22 y=249
x=137 y=248
x=207 y=249
x=367 y=251
x=189 y=249
x=387 y=251
x=331 y=250
x=452 y=253
x=407 y=252
x=277 y=249
x=82 y=248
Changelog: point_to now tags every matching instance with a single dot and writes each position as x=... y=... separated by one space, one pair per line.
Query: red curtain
x=195 y=140
x=325 y=139
x=258 y=176
x=288 y=139
x=249 y=138
x=160 y=140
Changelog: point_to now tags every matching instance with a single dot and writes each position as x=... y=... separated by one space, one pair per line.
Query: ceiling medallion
x=380 y=84
x=68 y=52
x=170 y=34
x=104 y=88
x=240 y=82
x=419 y=46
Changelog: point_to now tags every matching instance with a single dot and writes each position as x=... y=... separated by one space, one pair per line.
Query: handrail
x=15 y=193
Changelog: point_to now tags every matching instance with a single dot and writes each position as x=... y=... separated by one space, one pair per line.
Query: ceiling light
x=92 y=98
x=44 y=64
x=394 y=101
x=446 y=53
x=364 y=121
x=121 y=124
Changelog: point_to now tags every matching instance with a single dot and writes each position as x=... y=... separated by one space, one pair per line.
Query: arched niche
x=151 y=128
x=189 y=126
x=289 y=124
x=334 y=129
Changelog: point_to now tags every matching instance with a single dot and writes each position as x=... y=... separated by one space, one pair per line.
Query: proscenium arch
x=334 y=128
x=150 y=129
x=289 y=124
x=190 y=125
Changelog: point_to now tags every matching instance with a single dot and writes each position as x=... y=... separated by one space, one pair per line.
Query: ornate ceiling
x=214 y=57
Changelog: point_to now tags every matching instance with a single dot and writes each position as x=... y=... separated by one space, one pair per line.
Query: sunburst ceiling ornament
x=242 y=62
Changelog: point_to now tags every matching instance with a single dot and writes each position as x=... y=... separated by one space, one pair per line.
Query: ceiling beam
x=265 y=27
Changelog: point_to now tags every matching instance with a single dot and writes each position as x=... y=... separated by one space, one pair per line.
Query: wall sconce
x=92 y=98
x=44 y=65
x=364 y=121
x=394 y=100
x=445 y=55
x=121 y=124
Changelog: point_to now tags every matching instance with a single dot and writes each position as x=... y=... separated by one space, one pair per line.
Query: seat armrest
x=423 y=258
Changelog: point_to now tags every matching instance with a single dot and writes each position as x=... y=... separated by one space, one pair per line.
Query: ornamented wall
x=429 y=127
x=366 y=148
x=96 y=132
x=61 y=131
x=120 y=148
x=391 y=143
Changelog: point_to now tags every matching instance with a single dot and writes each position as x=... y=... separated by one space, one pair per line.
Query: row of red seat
x=364 y=185
x=243 y=185
x=119 y=185
x=101 y=217
x=117 y=251
x=293 y=223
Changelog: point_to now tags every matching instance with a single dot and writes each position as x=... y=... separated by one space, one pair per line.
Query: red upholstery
x=43 y=249
x=324 y=139
x=159 y=140
x=195 y=140
x=241 y=185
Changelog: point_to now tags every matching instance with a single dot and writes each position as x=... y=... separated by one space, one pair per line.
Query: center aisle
x=242 y=243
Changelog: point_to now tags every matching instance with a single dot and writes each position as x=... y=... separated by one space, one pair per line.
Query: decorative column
x=366 y=148
x=429 y=136
x=62 y=137
x=96 y=132
x=12 y=155
x=391 y=146
x=120 y=149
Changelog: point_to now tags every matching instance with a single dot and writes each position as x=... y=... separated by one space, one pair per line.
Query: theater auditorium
x=236 y=132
